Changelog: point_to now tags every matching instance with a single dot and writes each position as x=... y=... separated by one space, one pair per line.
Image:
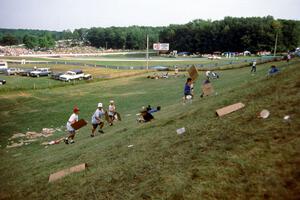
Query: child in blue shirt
x=187 y=88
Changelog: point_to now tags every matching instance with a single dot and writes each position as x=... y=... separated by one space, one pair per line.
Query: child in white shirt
x=73 y=118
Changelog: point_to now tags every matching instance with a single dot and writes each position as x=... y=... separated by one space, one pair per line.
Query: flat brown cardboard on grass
x=193 y=72
x=207 y=89
x=60 y=174
x=229 y=109
x=79 y=124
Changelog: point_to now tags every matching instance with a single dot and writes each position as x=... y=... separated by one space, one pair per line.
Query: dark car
x=56 y=75
x=2 y=82
x=26 y=72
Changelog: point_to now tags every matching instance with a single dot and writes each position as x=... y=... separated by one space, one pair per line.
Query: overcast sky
x=71 y=14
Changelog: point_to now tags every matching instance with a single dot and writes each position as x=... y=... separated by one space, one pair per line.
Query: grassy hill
x=238 y=156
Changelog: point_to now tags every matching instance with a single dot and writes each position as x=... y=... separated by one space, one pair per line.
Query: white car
x=214 y=57
x=40 y=72
x=74 y=75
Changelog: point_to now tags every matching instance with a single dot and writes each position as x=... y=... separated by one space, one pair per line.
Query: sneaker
x=100 y=131
x=72 y=141
x=92 y=135
x=110 y=124
x=66 y=140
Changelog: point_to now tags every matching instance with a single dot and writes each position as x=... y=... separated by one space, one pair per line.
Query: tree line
x=233 y=35
x=204 y=36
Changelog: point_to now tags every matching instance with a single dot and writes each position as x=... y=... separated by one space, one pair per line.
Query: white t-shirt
x=207 y=73
x=111 y=109
x=73 y=118
x=98 y=113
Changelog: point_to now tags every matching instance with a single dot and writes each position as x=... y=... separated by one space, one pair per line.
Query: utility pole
x=275 y=48
x=147 y=56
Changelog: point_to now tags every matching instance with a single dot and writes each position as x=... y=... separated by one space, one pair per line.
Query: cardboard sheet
x=229 y=109
x=119 y=116
x=77 y=125
x=193 y=72
x=60 y=174
x=207 y=89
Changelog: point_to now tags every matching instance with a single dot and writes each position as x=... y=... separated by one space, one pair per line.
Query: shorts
x=96 y=125
x=70 y=128
x=111 y=114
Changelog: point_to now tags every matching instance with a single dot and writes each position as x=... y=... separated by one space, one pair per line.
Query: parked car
x=214 y=57
x=73 y=75
x=56 y=75
x=12 y=71
x=161 y=68
x=25 y=72
x=87 y=77
x=2 y=81
x=40 y=72
x=3 y=66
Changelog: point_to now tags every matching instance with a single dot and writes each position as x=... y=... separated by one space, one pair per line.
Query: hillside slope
x=238 y=156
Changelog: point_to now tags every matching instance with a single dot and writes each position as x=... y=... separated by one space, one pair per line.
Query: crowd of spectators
x=17 y=51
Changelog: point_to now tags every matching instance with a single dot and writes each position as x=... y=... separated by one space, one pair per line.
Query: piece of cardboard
x=79 y=124
x=193 y=72
x=229 y=109
x=60 y=174
x=207 y=89
x=106 y=116
x=119 y=116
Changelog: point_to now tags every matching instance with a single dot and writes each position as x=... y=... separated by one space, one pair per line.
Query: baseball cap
x=100 y=105
x=75 y=109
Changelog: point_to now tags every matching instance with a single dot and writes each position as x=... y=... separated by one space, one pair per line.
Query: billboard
x=161 y=46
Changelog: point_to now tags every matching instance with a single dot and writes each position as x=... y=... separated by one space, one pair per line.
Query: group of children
x=189 y=85
x=97 y=120
x=146 y=113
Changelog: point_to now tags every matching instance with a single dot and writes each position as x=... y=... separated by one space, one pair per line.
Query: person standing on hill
x=96 y=120
x=73 y=118
x=288 y=58
x=111 y=112
x=253 y=69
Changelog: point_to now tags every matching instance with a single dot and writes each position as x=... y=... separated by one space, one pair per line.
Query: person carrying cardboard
x=111 y=112
x=72 y=119
x=97 y=121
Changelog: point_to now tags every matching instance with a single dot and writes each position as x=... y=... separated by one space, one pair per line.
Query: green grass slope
x=238 y=156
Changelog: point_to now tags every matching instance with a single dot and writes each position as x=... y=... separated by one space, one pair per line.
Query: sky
x=71 y=14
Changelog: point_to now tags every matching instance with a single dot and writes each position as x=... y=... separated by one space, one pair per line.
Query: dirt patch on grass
x=18 y=94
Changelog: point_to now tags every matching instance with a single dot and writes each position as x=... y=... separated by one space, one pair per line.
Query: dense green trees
x=43 y=42
x=203 y=36
x=32 y=39
x=233 y=34
x=8 y=40
x=132 y=37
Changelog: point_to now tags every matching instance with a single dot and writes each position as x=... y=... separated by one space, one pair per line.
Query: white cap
x=100 y=105
x=111 y=101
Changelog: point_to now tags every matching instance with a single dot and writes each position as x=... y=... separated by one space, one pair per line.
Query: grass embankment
x=238 y=156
